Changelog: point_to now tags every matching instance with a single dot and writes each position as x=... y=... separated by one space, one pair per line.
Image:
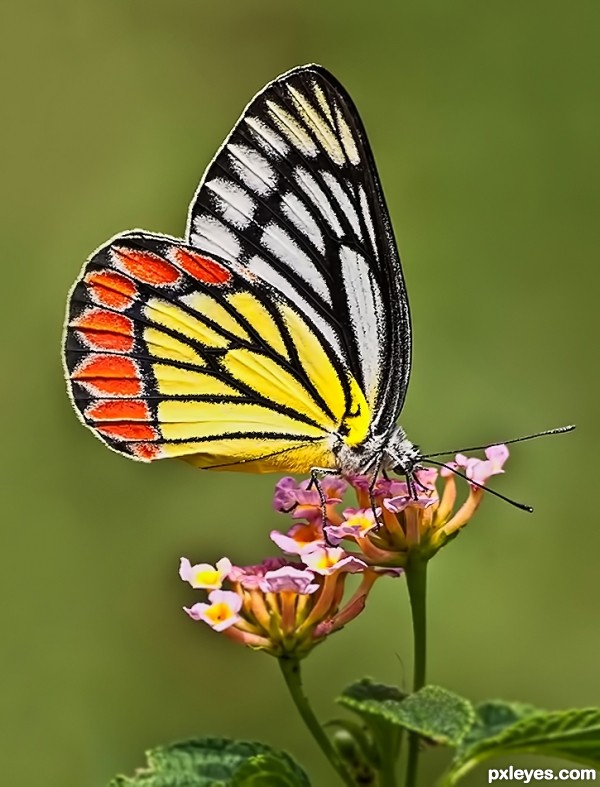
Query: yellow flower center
x=207 y=578
x=219 y=612
x=361 y=521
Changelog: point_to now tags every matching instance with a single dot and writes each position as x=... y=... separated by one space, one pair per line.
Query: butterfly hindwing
x=171 y=352
x=294 y=196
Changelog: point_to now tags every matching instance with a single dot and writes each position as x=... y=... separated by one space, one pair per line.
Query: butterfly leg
x=410 y=483
x=372 y=501
x=316 y=473
x=417 y=482
x=379 y=470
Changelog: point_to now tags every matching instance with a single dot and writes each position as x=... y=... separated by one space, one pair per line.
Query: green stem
x=389 y=756
x=290 y=668
x=416 y=577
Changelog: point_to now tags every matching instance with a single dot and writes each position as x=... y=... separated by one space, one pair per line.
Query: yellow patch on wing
x=322 y=101
x=270 y=380
x=316 y=362
x=291 y=129
x=347 y=138
x=208 y=307
x=162 y=345
x=175 y=318
x=322 y=374
x=259 y=318
x=318 y=125
x=358 y=418
x=186 y=420
x=174 y=381
x=254 y=455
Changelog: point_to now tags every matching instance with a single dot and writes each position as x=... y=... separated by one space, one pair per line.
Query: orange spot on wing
x=109 y=374
x=120 y=410
x=129 y=430
x=110 y=387
x=106 y=366
x=111 y=289
x=200 y=267
x=145 y=451
x=105 y=330
x=146 y=266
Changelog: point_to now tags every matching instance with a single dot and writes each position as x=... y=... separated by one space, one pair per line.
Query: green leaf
x=492 y=716
x=432 y=712
x=269 y=770
x=570 y=734
x=215 y=762
x=371 y=700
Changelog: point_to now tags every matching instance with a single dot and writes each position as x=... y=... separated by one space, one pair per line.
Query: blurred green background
x=484 y=120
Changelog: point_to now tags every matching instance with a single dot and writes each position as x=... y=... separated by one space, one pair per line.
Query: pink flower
x=480 y=470
x=328 y=560
x=390 y=487
x=398 y=504
x=203 y=575
x=251 y=576
x=284 y=498
x=358 y=522
x=290 y=579
x=299 y=538
x=426 y=477
x=304 y=502
x=222 y=611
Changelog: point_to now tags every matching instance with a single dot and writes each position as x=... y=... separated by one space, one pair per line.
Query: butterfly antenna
x=514 y=503
x=558 y=430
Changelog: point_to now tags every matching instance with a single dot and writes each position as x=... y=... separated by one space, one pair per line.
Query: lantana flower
x=392 y=519
x=303 y=501
x=287 y=607
x=203 y=575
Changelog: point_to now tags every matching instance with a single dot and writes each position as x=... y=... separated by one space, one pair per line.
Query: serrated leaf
x=366 y=690
x=209 y=762
x=571 y=735
x=432 y=712
x=493 y=716
x=438 y=714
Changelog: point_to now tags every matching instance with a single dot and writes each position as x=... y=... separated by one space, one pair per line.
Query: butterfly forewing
x=294 y=196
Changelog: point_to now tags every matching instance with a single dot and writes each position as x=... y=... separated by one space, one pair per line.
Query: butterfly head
x=403 y=456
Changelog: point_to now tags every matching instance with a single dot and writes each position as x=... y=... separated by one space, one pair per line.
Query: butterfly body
x=275 y=336
x=391 y=451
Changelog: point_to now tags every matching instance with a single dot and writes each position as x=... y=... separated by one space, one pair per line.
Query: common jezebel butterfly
x=276 y=335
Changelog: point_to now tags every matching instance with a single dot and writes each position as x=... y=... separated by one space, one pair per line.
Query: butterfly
x=275 y=336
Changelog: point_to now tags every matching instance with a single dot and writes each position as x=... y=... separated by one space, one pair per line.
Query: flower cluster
x=282 y=606
x=392 y=519
x=288 y=605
